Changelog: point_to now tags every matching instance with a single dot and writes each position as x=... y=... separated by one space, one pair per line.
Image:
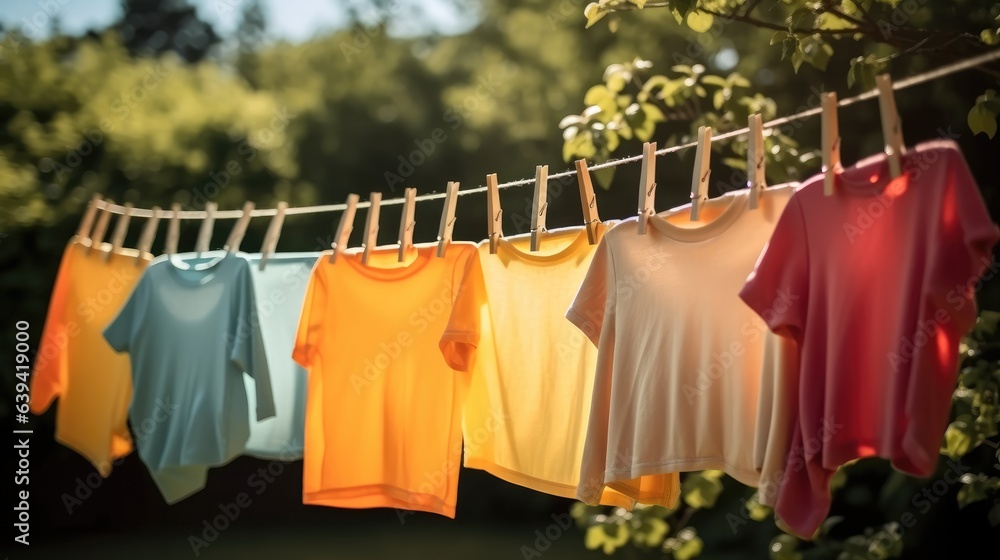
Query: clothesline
x=902 y=84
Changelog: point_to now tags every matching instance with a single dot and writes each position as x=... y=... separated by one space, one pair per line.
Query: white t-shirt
x=685 y=368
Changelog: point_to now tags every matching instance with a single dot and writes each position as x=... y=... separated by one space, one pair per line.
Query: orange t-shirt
x=76 y=364
x=384 y=345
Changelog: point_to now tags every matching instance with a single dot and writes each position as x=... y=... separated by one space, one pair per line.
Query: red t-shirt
x=885 y=271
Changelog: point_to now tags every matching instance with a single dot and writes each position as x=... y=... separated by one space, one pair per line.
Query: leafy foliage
x=630 y=105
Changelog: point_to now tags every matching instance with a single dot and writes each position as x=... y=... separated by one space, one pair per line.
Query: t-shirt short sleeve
x=596 y=294
x=777 y=288
x=247 y=349
x=461 y=337
x=52 y=363
x=119 y=331
x=966 y=231
x=310 y=330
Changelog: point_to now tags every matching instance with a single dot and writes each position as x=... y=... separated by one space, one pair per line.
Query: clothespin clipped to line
x=344 y=227
x=121 y=229
x=647 y=185
x=371 y=226
x=538 y=206
x=447 y=218
x=205 y=233
x=406 y=222
x=148 y=234
x=239 y=229
x=587 y=200
x=173 y=230
x=88 y=217
x=756 y=179
x=494 y=212
x=699 y=182
x=270 y=243
x=830 y=142
x=101 y=227
x=891 y=126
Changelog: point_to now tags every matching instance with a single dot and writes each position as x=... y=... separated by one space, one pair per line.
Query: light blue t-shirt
x=280 y=289
x=191 y=332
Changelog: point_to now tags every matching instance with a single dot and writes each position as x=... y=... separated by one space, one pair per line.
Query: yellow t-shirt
x=526 y=415
x=76 y=364
x=386 y=346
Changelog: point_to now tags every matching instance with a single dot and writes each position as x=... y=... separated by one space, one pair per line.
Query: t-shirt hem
x=379 y=495
x=748 y=477
x=514 y=477
x=103 y=465
x=560 y=489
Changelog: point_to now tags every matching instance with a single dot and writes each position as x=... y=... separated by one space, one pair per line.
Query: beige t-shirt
x=526 y=413
x=686 y=372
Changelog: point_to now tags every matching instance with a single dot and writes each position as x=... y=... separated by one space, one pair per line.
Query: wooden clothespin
x=371 y=225
x=447 y=218
x=406 y=222
x=756 y=180
x=343 y=234
x=121 y=229
x=494 y=212
x=239 y=229
x=173 y=230
x=647 y=185
x=205 y=233
x=539 y=206
x=88 y=217
x=148 y=234
x=587 y=200
x=891 y=127
x=273 y=233
x=101 y=227
x=831 y=142
x=699 y=182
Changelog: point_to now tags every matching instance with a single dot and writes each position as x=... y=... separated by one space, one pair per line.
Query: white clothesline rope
x=902 y=84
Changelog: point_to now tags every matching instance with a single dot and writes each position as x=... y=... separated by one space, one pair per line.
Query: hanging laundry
x=191 y=332
x=535 y=366
x=279 y=290
x=680 y=357
x=75 y=364
x=387 y=346
x=877 y=287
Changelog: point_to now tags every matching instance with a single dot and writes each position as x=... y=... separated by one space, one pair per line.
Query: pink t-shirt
x=885 y=273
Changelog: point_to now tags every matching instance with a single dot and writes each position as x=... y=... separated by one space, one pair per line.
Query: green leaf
x=700 y=491
x=593 y=13
x=863 y=71
x=652 y=112
x=756 y=510
x=699 y=21
x=957 y=440
x=989 y=37
x=789 y=46
x=598 y=94
x=689 y=549
x=981 y=119
x=973 y=490
x=778 y=37
x=737 y=80
x=797 y=59
x=713 y=81
x=718 y=98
